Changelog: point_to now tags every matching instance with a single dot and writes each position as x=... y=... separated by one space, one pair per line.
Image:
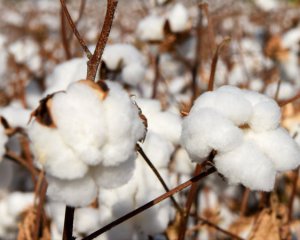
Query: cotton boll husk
x=3 y=141
x=51 y=152
x=158 y=149
x=183 y=164
x=207 y=130
x=76 y=193
x=114 y=176
x=133 y=74
x=178 y=18
x=266 y=116
x=279 y=147
x=233 y=106
x=86 y=220
x=247 y=165
x=66 y=73
x=167 y=124
x=151 y=28
x=82 y=131
x=17 y=202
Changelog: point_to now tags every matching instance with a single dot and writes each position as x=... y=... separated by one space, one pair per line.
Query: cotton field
x=149 y=119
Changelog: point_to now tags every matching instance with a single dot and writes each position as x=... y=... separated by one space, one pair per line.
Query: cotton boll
x=178 y=18
x=247 y=165
x=166 y=124
x=52 y=153
x=66 y=73
x=207 y=130
x=114 y=176
x=69 y=112
x=133 y=74
x=151 y=28
x=158 y=149
x=16 y=115
x=86 y=220
x=78 y=192
x=279 y=147
x=266 y=116
x=286 y=90
x=183 y=164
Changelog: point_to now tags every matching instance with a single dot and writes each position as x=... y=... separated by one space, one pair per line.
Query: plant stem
x=159 y=177
x=293 y=194
x=68 y=225
x=150 y=204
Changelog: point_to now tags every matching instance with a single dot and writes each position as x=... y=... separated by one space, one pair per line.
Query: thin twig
x=293 y=194
x=68 y=225
x=74 y=29
x=244 y=203
x=290 y=100
x=211 y=224
x=156 y=76
x=63 y=28
x=80 y=14
x=95 y=59
x=159 y=177
x=150 y=204
x=214 y=64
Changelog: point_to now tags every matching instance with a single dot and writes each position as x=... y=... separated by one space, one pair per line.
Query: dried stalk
x=159 y=177
x=64 y=39
x=68 y=225
x=95 y=59
x=156 y=76
x=293 y=194
x=150 y=204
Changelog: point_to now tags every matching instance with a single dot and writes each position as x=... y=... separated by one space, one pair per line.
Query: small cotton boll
x=167 y=124
x=52 y=153
x=64 y=74
x=86 y=220
x=157 y=149
x=76 y=193
x=151 y=28
x=266 y=116
x=114 y=176
x=278 y=145
x=17 y=202
x=70 y=112
x=133 y=74
x=248 y=166
x=207 y=130
x=286 y=90
x=178 y=18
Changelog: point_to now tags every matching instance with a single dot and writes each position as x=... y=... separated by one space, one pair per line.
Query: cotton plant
x=84 y=138
x=241 y=130
x=128 y=60
x=141 y=188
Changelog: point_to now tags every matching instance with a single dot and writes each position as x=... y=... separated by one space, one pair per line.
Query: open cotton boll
x=183 y=164
x=266 y=116
x=114 y=176
x=51 y=152
x=178 y=18
x=286 y=90
x=151 y=28
x=247 y=165
x=279 y=147
x=78 y=192
x=208 y=130
x=133 y=74
x=86 y=220
x=157 y=149
x=69 y=112
x=64 y=74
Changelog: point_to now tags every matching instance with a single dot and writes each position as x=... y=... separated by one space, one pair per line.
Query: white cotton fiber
x=158 y=149
x=208 y=130
x=279 y=146
x=51 y=152
x=111 y=177
x=86 y=220
x=78 y=192
x=247 y=165
x=133 y=74
x=151 y=28
x=17 y=202
x=178 y=18
x=16 y=115
x=266 y=116
x=183 y=164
